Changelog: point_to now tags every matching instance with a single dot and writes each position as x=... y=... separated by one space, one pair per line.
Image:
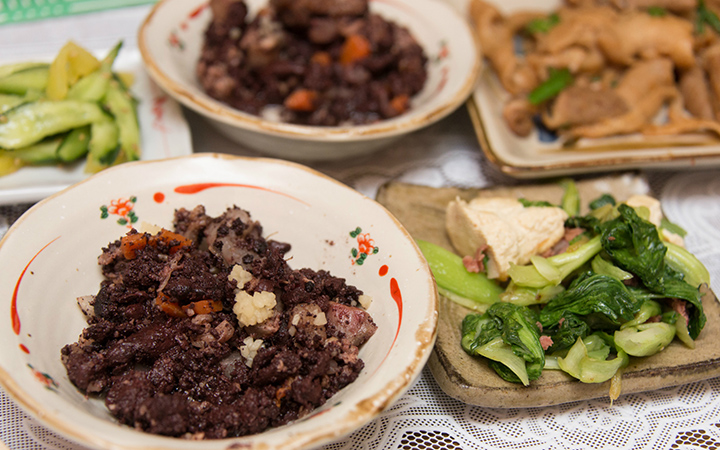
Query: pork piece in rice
x=166 y=348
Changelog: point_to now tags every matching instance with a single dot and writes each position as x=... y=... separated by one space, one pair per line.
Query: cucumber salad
x=72 y=108
x=552 y=289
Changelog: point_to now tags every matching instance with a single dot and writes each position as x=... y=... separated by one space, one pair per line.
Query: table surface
x=444 y=154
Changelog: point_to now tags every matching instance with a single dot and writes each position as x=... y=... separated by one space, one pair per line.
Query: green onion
x=542 y=25
x=656 y=11
x=706 y=16
x=558 y=80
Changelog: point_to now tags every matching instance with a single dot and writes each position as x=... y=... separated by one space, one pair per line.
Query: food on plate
x=507 y=230
x=206 y=331
x=75 y=107
x=311 y=62
x=577 y=292
x=594 y=69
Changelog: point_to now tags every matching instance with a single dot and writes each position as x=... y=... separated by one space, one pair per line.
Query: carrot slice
x=301 y=100
x=168 y=236
x=168 y=306
x=206 y=306
x=400 y=103
x=355 y=48
x=131 y=243
x=322 y=58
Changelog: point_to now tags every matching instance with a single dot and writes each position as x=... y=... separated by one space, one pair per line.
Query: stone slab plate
x=421 y=210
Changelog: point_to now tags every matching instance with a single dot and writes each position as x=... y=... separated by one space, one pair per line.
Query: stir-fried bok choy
x=615 y=286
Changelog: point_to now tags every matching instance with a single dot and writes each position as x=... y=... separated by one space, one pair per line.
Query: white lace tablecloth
x=685 y=417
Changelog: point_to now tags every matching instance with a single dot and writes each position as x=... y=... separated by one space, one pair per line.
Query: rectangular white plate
x=163 y=130
x=530 y=158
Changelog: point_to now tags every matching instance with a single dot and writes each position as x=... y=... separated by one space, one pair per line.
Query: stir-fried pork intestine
x=576 y=27
x=711 y=64
x=638 y=97
x=582 y=105
x=518 y=114
x=677 y=6
x=576 y=59
x=496 y=40
x=643 y=78
x=695 y=91
x=680 y=122
x=655 y=60
x=639 y=35
x=632 y=121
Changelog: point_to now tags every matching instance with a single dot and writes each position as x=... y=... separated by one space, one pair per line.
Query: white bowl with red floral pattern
x=171 y=38
x=49 y=258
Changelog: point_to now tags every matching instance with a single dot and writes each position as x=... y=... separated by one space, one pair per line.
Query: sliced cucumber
x=43 y=152
x=33 y=78
x=103 y=146
x=122 y=106
x=9 y=69
x=93 y=86
x=32 y=122
x=8 y=163
x=75 y=145
x=90 y=88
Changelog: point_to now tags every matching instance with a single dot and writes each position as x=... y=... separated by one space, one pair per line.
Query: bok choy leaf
x=635 y=246
x=504 y=327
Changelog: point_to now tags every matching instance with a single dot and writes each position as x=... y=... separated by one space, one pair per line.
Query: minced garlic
x=320 y=319
x=250 y=349
x=253 y=309
x=239 y=274
x=364 y=300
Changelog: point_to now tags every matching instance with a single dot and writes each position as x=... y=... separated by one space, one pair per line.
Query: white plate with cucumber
x=83 y=130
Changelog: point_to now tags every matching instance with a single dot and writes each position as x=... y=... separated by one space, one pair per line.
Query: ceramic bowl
x=49 y=258
x=171 y=38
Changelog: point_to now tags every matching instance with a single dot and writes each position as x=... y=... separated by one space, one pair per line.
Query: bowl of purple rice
x=210 y=302
x=313 y=79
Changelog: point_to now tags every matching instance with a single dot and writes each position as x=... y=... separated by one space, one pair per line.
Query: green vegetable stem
x=551 y=271
x=472 y=290
x=30 y=123
x=571 y=197
x=679 y=259
x=587 y=360
x=645 y=339
x=648 y=309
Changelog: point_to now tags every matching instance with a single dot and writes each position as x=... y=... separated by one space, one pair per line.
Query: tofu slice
x=652 y=204
x=656 y=215
x=512 y=232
